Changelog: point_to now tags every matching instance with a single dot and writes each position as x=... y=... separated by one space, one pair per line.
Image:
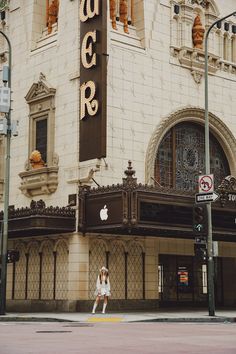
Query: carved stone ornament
x=52 y=14
x=194 y=59
x=40 y=89
x=39 y=181
x=227 y=185
x=124 y=14
x=130 y=181
x=113 y=14
x=197 y=75
x=36 y=160
x=198 y=33
x=203 y=3
x=122 y=11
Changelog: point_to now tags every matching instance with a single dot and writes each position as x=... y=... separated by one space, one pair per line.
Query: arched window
x=181 y=158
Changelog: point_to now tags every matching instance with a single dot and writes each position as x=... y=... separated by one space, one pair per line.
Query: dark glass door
x=182 y=279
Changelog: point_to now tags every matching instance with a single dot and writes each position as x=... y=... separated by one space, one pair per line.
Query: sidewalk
x=162 y=315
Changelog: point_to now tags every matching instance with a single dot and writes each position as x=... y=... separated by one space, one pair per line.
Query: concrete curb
x=197 y=320
x=32 y=319
x=164 y=319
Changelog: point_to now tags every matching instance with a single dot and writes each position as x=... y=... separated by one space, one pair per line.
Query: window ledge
x=46 y=39
x=130 y=38
x=39 y=181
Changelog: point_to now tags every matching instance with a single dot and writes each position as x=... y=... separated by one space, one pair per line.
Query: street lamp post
x=4 y=234
x=210 y=281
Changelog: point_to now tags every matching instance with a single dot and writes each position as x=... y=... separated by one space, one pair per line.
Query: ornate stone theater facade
x=109 y=96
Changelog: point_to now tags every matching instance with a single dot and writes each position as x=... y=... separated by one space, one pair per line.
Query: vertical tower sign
x=93 y=79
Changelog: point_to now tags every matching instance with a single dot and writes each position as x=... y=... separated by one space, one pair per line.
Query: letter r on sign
x=87 y=100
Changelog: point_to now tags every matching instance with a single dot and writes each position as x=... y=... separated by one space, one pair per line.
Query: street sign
x=206 y=197
x=206 y=184
x=232 y=196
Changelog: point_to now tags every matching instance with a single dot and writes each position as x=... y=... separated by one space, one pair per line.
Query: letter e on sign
x=87 y=50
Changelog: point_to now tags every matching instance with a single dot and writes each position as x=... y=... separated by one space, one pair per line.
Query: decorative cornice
x=208 y=5
x=39 y=220
x=40 y=90
x=203 y=3
x=39 y=208
x=194 y=60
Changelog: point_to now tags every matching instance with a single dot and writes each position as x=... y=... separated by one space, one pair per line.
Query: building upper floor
x=155 y=66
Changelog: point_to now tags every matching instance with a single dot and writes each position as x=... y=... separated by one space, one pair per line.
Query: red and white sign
x=206 y=184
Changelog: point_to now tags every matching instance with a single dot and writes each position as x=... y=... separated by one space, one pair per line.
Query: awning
x=136 y=209
x=39 y=220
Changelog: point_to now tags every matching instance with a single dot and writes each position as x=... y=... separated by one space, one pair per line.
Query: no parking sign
x=206 y=183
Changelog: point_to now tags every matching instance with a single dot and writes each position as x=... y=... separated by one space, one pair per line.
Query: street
x=117 y=338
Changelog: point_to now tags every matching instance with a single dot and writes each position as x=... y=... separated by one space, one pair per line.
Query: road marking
x=105 y=319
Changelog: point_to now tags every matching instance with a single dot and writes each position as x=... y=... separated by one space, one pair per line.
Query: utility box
x=5 y=99
x=3 y=126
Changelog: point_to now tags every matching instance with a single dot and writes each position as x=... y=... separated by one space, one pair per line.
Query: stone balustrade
x=122 y=11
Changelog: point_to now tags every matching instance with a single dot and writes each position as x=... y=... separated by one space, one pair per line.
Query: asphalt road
x=117 y=338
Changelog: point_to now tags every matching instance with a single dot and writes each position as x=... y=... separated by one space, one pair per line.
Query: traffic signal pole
x=210 y=263
x=4 y=233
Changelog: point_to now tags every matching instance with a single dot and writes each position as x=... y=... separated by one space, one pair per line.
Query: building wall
x=146 y=85
x=57 y=57
x=70 y=266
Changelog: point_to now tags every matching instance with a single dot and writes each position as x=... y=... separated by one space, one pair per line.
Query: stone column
x=78 y=268
x=151 y=270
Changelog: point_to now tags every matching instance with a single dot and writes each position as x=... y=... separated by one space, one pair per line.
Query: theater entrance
x=183 y=281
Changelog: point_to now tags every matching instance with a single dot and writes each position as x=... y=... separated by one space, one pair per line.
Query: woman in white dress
x=102 y=289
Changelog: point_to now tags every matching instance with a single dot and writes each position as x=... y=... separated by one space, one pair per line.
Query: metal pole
x=6 y=196
x=210 y=273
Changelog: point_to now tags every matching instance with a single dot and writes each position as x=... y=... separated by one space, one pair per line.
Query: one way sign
x=206 y=197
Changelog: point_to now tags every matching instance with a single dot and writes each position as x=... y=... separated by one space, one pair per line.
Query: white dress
x=103 y=289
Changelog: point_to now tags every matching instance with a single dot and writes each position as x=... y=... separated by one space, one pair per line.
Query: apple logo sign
x=103 y=213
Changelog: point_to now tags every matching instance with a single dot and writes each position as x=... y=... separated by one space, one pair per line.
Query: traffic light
x=13 y=256
x=200 y=251
x=200 y=224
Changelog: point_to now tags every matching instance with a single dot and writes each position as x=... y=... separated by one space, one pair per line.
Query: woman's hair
x=106 y=276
